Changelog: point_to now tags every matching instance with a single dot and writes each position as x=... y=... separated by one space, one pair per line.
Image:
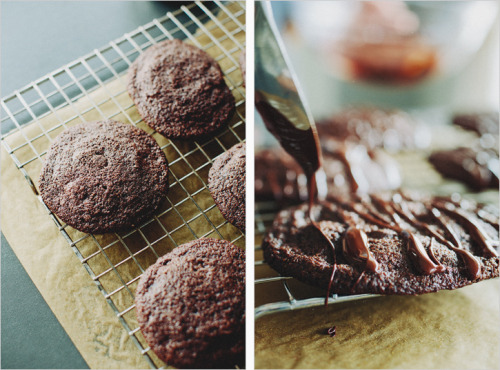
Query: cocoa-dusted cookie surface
x=373 y=127
x=348 y=167
x=226 y=182
x=104 y=176
x=190 y=305
x=179 y=90
x=481 y=123
x=387 y=244
x=475 y=166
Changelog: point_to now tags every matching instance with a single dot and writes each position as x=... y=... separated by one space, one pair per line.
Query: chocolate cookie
x=179 y=90
x=226 y=182
x=386 y=244
x=393 y=130
x=481 y=123
x=191 y=305
x=104 y=176
x=475 y=166
x=348 y=167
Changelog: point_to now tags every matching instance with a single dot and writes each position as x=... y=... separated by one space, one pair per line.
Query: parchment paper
x=444 y=330
x=116 y=260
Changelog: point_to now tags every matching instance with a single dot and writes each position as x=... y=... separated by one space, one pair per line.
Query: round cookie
x=475 y=166
x=406 y=237
x=482 y=123
x=104 y=176
x=226 y=182
x=191 y=305
x=179 y=90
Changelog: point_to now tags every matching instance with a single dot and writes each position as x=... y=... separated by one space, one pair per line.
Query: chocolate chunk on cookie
x=190 y=305
x=475 y=166
x=104 y=176
x=226 y=182
x=386 y=244
x=179 y=90
x=481 y=123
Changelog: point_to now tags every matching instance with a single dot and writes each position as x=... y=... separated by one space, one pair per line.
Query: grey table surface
x=38 y=37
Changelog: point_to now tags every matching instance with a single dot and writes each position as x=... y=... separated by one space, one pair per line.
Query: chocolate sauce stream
x=302 y=145
x=312 y=197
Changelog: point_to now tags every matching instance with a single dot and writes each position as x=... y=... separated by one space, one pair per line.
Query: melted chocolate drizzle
x=475 y=230
x=472 y=264
x=355 y=245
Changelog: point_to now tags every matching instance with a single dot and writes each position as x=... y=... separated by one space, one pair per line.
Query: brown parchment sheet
x=457 y=329
x=115 y=260
x=444 y=330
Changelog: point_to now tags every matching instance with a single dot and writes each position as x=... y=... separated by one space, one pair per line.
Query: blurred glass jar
x=392 y=41
x=390 y=53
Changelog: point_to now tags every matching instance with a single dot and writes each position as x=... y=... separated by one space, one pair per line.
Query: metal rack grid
x=286 y=293
x=94 y=87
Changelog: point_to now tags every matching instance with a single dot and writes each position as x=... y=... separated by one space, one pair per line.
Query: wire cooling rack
x=94 y=87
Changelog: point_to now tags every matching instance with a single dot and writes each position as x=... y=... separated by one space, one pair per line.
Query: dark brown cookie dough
x=414 y=244
x=481 y=123
x=393 y=130
x=475 y=166
x=191 y=305
x=104 y=176
x=226 y=182
x=179 y=90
